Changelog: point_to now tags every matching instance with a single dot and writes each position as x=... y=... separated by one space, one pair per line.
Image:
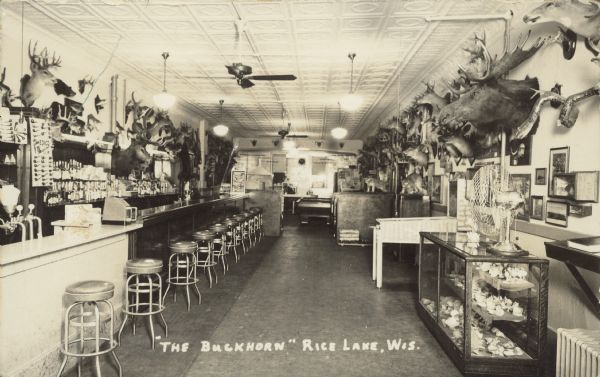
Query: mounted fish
x=41 y=77
x=568 y=110
x=491 y=104
x=581 y=17
x=98 y=103
x=61 y=88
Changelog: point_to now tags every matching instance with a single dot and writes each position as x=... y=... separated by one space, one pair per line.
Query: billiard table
x=311 y=207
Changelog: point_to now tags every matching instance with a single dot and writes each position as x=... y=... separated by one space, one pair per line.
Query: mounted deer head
x=40 y=65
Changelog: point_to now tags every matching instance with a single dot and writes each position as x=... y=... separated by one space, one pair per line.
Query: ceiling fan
x=243 y=75
x=285 y=132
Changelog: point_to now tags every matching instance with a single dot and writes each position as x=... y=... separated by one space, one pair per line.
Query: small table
x=573 y=258
x=404 y=230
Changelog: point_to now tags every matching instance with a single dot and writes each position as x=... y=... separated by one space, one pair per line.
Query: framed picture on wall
x=559 y=163
x=537 y=207
x=557 y=213
x=540 y=176
x=522 y=184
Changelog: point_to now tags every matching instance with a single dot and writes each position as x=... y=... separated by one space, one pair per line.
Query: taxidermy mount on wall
x=6 y=96
x=40 y=65
x=488 y=104
x=581 y=17
x=61 y=88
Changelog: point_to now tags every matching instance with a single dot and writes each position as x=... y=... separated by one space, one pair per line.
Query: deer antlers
x=41 y=60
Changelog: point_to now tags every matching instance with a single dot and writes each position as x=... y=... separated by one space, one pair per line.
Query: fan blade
x=231 y=70
x=245 y=83
x=273 y=77
x=296 y=136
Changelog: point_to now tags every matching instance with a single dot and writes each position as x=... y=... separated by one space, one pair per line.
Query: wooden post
x=203 y=151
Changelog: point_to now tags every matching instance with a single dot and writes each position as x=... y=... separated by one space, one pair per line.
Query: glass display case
x=488 y=312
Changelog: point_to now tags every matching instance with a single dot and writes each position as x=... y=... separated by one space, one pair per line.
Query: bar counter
x=35 y=273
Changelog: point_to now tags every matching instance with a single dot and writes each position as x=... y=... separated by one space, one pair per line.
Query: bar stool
x=248 y=221
x=243 y=233
x=144 y=293
x=258 y=230
x=93 y=294
x=204 y=239
x=219 y=250
x=183 y=261
x=231 y=236
x=237 y=235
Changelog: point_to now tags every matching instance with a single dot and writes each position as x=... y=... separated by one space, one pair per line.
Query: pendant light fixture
x=163 y=100
x=221 y=129
x=351 y=101
x=339 y=132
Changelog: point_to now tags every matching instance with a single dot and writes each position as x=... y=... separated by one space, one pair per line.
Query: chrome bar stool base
x=145 y=285
x=85 y=313
x=183 y=262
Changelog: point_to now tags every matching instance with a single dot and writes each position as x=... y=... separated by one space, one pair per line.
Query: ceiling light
x=164 y=101
x=221 y=129
x=351 y=101
x=339 y=132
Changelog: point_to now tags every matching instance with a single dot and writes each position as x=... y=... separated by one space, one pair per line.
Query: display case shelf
x=460 y=303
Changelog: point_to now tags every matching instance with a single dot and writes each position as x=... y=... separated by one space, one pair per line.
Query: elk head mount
x=41 y=76
x=488 y=104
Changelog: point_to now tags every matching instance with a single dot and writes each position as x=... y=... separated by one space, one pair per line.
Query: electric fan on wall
x=494 y=205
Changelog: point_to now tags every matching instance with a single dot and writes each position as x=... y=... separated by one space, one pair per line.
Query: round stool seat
x=255 y=210
x=91 y=290
x=218 y=228
x=185 y=247
x=230 y=221
x=144 y=266
x=204 y=235
x=239 y=217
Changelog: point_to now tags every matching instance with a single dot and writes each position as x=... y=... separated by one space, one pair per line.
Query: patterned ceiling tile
x=117 y=12
x=217 y=10
x=72 y=11
x=261 y=10
x=309 y=9
x=312 y=25
x=364 y=7
x=362 y=23
x=166 y=12
x=178 y=26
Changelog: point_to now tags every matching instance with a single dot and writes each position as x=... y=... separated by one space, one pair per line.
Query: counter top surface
x=157 y=211
x=70 y=238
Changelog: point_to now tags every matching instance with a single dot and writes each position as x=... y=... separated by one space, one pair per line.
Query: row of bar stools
x=143 y=294
x=183 y=262
x=90 y=309
x=205 y=257
x=144 y=285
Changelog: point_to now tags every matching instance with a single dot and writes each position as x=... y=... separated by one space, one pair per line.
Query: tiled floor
x=287 y=292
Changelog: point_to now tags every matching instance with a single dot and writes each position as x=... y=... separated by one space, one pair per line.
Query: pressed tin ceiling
x=396 y=50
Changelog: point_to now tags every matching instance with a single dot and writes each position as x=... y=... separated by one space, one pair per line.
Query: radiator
x=578 y=353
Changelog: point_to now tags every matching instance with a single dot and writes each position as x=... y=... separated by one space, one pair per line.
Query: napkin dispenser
x=118 y=211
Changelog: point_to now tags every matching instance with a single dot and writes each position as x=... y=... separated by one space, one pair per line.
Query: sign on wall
x=238 y=182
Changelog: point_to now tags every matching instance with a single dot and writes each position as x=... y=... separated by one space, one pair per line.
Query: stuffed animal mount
x=41 y=75
x=581 y=17
x=374 y=184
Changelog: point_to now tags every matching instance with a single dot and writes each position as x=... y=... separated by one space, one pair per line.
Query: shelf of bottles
x=76 y=183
